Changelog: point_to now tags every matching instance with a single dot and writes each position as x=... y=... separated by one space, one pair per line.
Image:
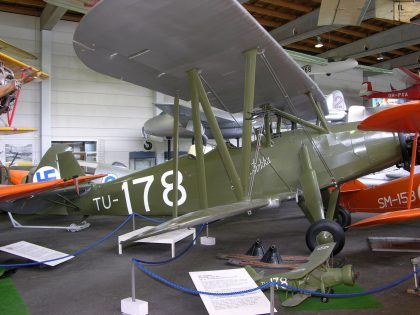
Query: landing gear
x=342 y=217
x=325 y=231
x=147 y=145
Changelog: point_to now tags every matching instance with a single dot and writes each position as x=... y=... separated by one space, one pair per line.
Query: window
x=82 y=150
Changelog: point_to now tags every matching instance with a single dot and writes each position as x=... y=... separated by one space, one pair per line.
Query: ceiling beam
x=306 y=26
x=299 y=29
x=34 y=3
x=289 y=5
x=391 y=39
x=269 y=12
x=51 y=15
x=20 y=10
x=268 y=23
x=403 y=61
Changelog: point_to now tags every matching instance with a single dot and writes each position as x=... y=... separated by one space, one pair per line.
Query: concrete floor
x=96 y=281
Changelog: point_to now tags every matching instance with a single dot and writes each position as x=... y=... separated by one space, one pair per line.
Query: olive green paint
x=199 y=150
x=249 y=91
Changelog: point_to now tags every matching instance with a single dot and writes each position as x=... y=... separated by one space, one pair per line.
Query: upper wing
x=20 y=68
x=171 y=37
x=320 y=255
x=185 y=111
x=406 y=76
x=13 y=192
x=400 y=118
x=13 y=130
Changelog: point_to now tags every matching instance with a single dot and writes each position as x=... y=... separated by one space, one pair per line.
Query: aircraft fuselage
x=348 y=152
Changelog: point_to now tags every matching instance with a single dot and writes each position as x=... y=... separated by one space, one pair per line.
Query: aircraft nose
x=348 y=275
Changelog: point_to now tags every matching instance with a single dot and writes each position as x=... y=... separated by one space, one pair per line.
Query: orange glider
x=398 y=195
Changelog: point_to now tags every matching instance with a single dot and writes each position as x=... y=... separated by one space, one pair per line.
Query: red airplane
x=409 y=78
x=392 y=198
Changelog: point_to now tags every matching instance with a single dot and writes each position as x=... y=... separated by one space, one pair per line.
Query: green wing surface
x=320 y=255
x=201 y=217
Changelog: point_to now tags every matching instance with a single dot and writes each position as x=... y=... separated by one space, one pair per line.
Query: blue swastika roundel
x=45 y=174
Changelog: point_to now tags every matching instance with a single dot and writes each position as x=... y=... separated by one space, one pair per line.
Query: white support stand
x=74 y=227
x=166 y=238
x=131 y=305
x=207 y=240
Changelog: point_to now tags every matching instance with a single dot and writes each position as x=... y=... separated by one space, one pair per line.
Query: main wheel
x=147 y=145
x=342 y=216
x=325 y=231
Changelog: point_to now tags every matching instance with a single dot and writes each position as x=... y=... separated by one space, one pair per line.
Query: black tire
x=329 y=226
x=147 y=145
x=342 y=217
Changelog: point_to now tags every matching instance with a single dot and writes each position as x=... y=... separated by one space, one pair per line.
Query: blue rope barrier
x=266 y=285
x=76 y=253
x=147 y=218
x=177 y=256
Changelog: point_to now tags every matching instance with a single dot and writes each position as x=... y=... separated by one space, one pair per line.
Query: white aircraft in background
x=161 y=126
x=329 y=67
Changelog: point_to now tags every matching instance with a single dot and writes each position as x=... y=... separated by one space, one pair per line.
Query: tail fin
x=68 y=165
x=366 y=89
x=336 y=106
x=49 y=168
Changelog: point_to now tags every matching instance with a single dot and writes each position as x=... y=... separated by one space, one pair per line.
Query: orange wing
x=400 y=118
x=13 y=192
x=389 y=217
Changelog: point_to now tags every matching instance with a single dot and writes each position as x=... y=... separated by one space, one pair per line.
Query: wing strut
x=249 y=89
x=221 y=146
x=175 y=138
x=201 y=168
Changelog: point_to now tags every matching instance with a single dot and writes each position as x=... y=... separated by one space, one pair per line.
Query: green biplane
x=215 y=53
x=314 y=275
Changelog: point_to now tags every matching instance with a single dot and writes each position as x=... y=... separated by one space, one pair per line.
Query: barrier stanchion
x=271 y=299
x=131 y=305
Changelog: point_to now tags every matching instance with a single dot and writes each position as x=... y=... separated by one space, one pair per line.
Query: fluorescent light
x=319 y=43
x=380 y=57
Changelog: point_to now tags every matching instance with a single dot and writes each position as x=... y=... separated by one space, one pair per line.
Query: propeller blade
x=389 y=217
x=400 y=118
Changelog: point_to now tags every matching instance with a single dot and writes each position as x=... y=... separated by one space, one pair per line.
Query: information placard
x=35 y=252
x=230 y=280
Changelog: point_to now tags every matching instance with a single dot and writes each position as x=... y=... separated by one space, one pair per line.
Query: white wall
x=22 y=31
x=85 y=105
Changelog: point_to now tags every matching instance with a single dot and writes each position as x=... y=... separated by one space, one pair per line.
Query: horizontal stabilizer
x=389 y=217
x=401 y=118
x=319 y=256
x=201 y=217
x=12 y=192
